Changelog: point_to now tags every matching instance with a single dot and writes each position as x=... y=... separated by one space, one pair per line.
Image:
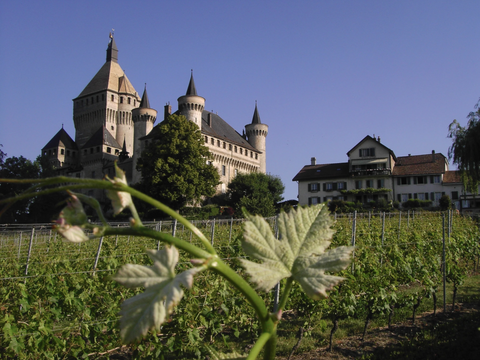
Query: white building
x=373 y=172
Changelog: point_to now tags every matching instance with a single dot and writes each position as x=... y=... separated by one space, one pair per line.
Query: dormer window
x=121 y=99
x=369 y=152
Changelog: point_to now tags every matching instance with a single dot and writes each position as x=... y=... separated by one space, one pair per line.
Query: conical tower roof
x=256 y=116
x=145 y=103
x=191 y=90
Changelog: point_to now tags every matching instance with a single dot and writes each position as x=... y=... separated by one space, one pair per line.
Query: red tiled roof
x=420 y=165
x=452 y=177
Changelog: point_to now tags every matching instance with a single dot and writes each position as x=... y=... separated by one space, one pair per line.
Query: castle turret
x=191 y=105
x=107 y=100
x=143 y=118
x=256 y=136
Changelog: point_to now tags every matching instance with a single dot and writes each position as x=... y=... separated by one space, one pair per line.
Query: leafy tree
x=465 y=150
x=17 y=168
x=257 y=192
x=174 y=165
x=445 y=202
x=2 y=155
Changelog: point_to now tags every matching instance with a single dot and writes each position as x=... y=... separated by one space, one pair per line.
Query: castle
x=112 y=123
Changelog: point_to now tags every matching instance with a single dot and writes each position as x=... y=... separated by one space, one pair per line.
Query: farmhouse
x=374 y=173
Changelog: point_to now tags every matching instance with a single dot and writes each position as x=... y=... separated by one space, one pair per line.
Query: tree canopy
x=465 y=149
x=17 y=168
x=174 y=165
x=37 y=209
x=257 y=192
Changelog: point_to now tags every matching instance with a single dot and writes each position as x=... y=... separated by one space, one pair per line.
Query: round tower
x=256 y=136
x=191 y=105
x=143 y=119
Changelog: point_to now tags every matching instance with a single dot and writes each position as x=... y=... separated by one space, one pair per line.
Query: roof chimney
x=209 y=119
x=433 y=155
x=313 y=161
x=378 y=139
x=167 y=112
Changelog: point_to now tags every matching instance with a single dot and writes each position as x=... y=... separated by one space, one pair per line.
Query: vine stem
x=262 y=340
x=285 y=294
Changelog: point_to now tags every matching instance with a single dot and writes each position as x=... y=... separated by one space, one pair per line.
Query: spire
x=112 y=51
x=256 y=117
x=124 y=153
x=191 y=86
x=145 y=103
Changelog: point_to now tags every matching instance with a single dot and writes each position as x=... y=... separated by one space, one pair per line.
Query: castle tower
x=143 y=118
x=107 y=100
x=256 y=136
x=191 y=105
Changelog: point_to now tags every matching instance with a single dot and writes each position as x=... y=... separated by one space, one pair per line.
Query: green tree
x=45 y=208
x=17 y=168
x=174 y=165
x=257 y=192
x=465 y=149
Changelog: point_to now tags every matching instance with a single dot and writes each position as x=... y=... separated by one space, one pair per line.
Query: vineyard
x=57 y=299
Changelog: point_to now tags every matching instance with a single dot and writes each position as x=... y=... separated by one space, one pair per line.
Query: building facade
x=113 y=123
x=373 y=173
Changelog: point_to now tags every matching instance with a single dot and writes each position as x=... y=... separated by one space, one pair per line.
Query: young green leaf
x=300 y=253
x=162 y=292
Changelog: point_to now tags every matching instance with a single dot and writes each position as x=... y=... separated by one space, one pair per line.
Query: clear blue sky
x=325 y=73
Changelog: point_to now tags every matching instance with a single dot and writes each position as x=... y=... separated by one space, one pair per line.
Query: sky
x=324 y=73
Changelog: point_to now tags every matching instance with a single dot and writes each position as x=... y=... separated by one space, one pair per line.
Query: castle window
x=241 y=151
x=128 y=100
x=68 y=152
x=218 y=143
x=86 y=101
x=134 y=102
x=117 y=152
x=121 y=99
x=92 y=100
x=109 y=150
x=230 y=147
x=54 y=152
x=103 y=97
x=224 y=170
x=224 y=145
x=91 y=150
x=213 y=141
x=251 y=154
x=235 y=149
x=98 y=148
x=113 y=97
x=97 y=98
x=206 y=139
x=246 y=152
x=256 y=156
x=62 y=151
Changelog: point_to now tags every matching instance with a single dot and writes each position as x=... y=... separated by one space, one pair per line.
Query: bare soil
x=450 y=335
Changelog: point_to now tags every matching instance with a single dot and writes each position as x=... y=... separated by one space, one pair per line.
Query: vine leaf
x=305 y=234
x=162 y=292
